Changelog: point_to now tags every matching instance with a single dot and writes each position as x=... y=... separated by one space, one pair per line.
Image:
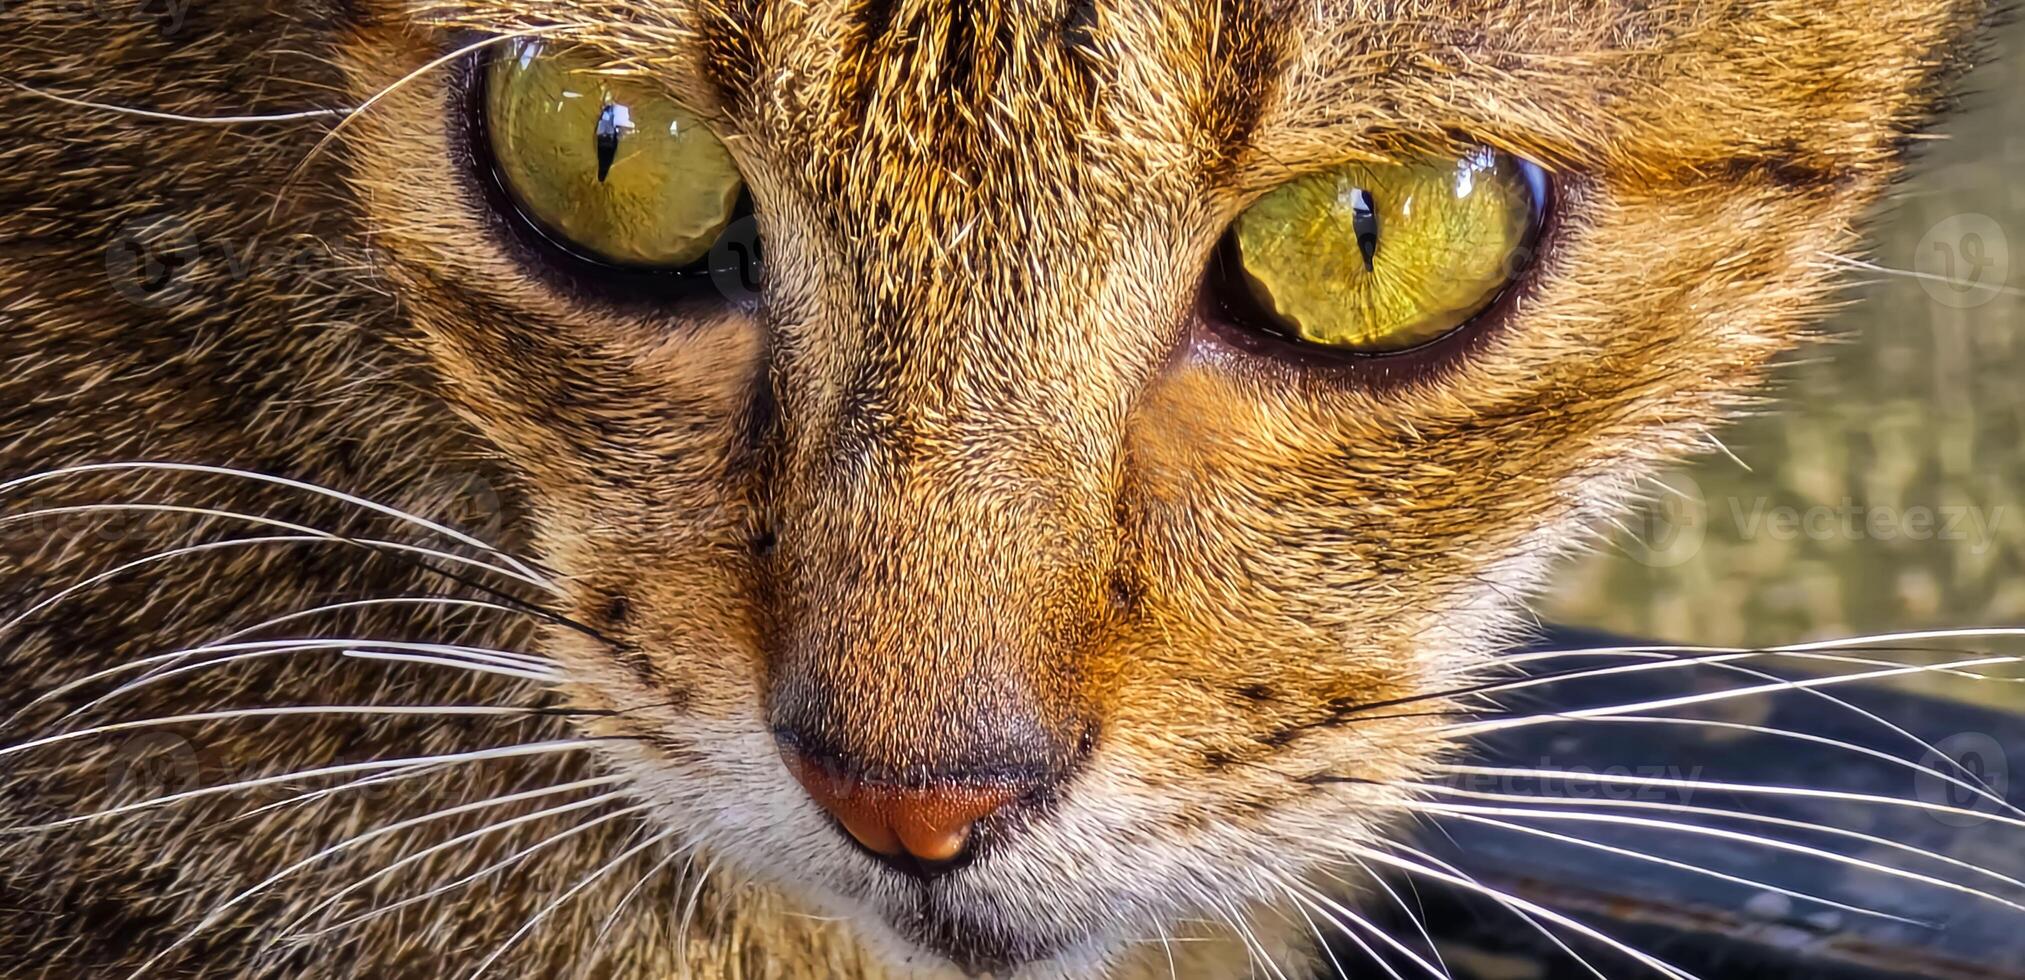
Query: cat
x=894 y=488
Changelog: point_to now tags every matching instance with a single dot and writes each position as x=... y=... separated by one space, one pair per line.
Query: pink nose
x=930 y=824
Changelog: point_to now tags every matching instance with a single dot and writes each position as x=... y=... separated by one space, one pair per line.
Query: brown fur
x=976 y=464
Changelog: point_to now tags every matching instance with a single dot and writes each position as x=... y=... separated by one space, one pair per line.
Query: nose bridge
x=943 y=530
x=934 y=632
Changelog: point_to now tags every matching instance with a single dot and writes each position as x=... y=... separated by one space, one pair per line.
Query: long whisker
x=1502 y=724
x=376 y=779
x=1758 y=789
x=403 y=82
x=474 y=659
x=290 y=931
x=1343 y=914
x=1787 y=733
x=1513 y=901
x=538 y=918
x=259 y=520
x=1690 y=868
x=218 y=911
x=612 y=920
x=178 y=117
x=1419 y=924
x=1521 y=914
x=160 y=663
x=504 y=752
x=319 y=538
x=422 y=710
x=1723 y=834
x=1742 y=816
x=1302 y=905
x=150 y=465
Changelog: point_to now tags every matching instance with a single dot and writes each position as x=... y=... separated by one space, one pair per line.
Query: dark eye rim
x=1232 y=329
x=552 y=259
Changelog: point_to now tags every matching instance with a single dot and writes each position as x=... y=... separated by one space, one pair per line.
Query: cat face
x=977 y=494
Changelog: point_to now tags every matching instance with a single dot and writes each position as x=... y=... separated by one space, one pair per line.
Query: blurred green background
x=1885 y=487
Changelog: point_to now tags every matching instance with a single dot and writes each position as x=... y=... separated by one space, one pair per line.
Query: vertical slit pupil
x=1364 y=223
x=609 y=130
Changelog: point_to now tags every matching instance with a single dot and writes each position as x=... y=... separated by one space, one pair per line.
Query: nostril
x=921 y=830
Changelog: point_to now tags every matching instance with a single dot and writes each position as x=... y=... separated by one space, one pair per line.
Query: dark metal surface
x=1718 y=929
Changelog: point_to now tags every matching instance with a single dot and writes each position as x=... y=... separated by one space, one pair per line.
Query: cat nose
x=922 y=831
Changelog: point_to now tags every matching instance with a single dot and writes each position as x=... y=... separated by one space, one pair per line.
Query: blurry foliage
x=1886 y=481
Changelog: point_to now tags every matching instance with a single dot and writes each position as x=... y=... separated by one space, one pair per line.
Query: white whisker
x=1501 y=724
x=1722 y=833
x=218 y=911
x=482 y=755
x=281 y=481
x=257 y=520
x=1685 y=866
x=209 y=546
x=1344 y=914
x=369 y=710
x=1723 y=787
x=1511 y=901
x=538 y=918
x=1741 y=816
x=290 y=931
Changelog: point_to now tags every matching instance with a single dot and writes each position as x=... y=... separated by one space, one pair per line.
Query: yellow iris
x=1383 y=257
x=607 y=163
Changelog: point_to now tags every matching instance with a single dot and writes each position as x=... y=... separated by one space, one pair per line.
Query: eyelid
x=1216 y=338
x=579 y=278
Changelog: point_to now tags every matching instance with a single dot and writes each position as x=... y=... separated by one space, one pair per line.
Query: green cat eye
x=1378 y=258
x=607 y=164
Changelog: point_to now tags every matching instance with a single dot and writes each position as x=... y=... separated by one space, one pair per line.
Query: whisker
x=1250 y=939
x=1419 y=924
x=504 y=752
x=103 y=577
x=1690 y=868
x=1502 y=724
x=612 y=920
x=1848 y=262
x=290 y=932
x=1787 y=733
x=1509 y=900
x=1346 y=915
x=473 y=659
x=1302 y=905
x=427 y=711
x=1743 y=816
x=538 y=918
x=689 y=908
x=151 y=465
x=311 y=796
x=545 y=677
x=218 y=911
x=159 y=663
x=1773 y=843
x=177 y=116
x=1522 y=915
x=1758 y=789
x=387 y=601
x=405 y=80
x=259 y=520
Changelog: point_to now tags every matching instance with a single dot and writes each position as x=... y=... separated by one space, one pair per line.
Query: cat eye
x=1382 y=258
x=605 y=165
